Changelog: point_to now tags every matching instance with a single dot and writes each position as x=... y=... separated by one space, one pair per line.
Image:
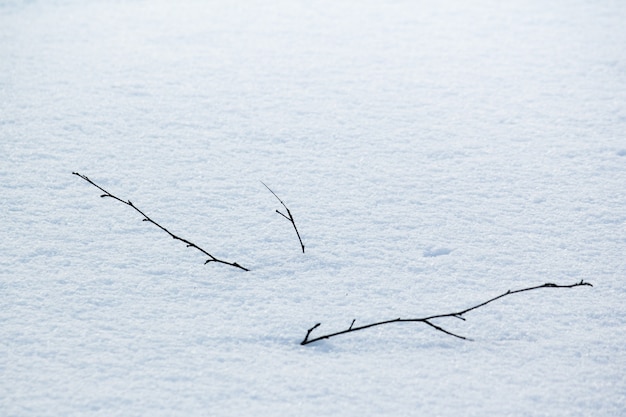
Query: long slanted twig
x=427 y=320
x=288 y=216
x=148 y=219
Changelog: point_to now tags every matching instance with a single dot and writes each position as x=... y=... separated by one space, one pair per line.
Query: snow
x=433 y=154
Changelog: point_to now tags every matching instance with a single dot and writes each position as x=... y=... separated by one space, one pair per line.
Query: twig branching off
x=427 y=320
x=288 y=216
x=148 y=219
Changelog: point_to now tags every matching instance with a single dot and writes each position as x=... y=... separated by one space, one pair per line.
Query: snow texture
x=434 y=154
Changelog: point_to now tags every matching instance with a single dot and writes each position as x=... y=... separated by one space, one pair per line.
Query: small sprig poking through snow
x=148 y=219
x=427 y=320
x=288 y=216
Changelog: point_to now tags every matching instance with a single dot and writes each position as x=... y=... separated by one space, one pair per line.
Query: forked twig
x=148 y=219
x=427 y=320
x=288 y=216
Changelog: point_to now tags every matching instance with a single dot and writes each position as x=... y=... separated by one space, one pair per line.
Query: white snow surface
x=434 y=154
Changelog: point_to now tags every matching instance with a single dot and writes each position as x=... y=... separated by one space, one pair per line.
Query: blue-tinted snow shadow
x=432 y=251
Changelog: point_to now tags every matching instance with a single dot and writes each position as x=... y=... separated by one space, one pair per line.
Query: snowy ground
x=434 y=154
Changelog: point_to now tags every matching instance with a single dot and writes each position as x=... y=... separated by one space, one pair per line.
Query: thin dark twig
x=148 y=219
x=288 y=216
x=427 y=320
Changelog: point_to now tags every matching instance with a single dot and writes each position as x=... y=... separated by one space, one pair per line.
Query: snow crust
x=434 y=154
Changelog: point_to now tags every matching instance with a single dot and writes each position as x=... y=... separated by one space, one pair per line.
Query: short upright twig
x=427 y=320
x=148 y=219
x=288 y=216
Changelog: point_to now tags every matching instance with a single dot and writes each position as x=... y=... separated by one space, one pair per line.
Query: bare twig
x=148 y=219
x=427 y=320
x=288 y=216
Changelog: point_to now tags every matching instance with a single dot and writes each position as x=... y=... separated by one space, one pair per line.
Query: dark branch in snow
x=427 y=320
x=288 y=216
x=148 y=219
